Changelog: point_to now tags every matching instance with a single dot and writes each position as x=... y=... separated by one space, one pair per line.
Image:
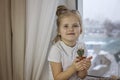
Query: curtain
x=71 y=4
x=40 y=22
x=12 y=38
x=18 y=27
x=5 y=41
x=26 y=30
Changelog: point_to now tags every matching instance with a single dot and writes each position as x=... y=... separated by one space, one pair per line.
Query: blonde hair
x=63 y=11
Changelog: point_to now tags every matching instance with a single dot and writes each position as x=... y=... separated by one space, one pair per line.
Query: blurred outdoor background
x=101 y=22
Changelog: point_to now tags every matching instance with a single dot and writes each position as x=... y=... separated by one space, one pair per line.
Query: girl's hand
x=82 y=74
x=85 y=64
x=80 y=65
x=77 y=65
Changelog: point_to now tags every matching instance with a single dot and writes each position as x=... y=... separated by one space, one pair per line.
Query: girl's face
x=69 y=29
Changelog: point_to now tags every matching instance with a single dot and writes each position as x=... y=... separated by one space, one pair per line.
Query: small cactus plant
x=80 y=53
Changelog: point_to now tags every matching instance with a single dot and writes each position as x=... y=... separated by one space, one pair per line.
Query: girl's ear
x=58 y=32
x=80 y=31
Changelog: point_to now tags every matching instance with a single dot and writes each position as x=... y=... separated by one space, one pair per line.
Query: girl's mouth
x=71 y=34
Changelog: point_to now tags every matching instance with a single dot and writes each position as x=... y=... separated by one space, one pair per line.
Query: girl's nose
x=70 y=28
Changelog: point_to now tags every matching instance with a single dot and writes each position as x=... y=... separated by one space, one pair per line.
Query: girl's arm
x=59 y=74
x=82 y=74
x=86 y=63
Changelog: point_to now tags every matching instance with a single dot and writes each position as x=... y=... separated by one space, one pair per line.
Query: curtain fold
x=5 y=41
x=71 y=4
x=40 y=21
x=12 y=38
x=18 y=9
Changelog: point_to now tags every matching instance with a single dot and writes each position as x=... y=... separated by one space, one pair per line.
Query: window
x=101 y=22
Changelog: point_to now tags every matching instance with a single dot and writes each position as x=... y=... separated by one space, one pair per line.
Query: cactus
x=80 y=53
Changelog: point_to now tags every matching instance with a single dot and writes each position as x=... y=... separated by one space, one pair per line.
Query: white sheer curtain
x=40 y=21
x=40 y=30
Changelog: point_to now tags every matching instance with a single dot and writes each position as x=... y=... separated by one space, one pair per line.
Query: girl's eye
x=75 y=25
x=66 y=26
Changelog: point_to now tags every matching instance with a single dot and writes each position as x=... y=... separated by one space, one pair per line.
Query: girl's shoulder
x=55 y=53
x=57 y=46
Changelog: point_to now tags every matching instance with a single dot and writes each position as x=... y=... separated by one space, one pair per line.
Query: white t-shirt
x=64 y=54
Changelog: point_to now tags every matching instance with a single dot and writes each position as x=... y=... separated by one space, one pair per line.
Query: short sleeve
x=54 y=54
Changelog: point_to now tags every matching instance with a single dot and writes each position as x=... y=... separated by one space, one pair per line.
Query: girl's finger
x=89 y=58
x=76 y=60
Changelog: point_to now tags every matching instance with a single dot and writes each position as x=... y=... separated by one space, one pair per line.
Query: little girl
x=63 y=58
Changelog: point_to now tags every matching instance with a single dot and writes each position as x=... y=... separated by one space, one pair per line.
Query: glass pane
x=101 y=21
